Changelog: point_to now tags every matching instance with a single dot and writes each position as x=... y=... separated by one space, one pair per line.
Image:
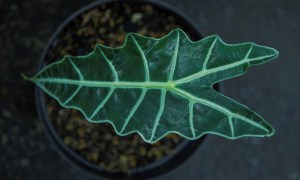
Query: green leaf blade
x=158 y=86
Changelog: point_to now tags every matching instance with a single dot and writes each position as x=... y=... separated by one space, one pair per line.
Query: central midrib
x=114 y=84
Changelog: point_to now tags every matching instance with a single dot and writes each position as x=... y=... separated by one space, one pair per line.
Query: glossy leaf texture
x=158 y=86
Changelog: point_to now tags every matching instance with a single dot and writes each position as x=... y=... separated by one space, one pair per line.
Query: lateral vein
x=191 y=117
x=174 y=59
x=102 y=103
x=213 y=70
x=213 y=105
x=135 y=107
x=76 y=68
x=160 y=111
x=147 y=75
x=110 y=65
x=204 y=67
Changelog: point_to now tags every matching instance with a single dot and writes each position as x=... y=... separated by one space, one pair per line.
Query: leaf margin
x=168 y=132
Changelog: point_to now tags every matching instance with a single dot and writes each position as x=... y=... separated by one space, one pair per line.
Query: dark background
x=271 y=89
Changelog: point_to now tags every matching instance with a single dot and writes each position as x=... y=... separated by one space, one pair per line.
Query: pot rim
x=183 y=150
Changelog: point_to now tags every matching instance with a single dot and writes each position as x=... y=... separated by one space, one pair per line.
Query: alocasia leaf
x=159 y=86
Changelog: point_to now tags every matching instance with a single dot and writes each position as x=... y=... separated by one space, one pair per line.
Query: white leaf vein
x=102 y=103
x=174 y=58
x=191 y=117
x=231 y=126
x=79 y=86
x=218 y=107
x=160 y=111
x=111 y=66
x=135 y=107
x=164 y=86
x=147 y=75
x=208 y=55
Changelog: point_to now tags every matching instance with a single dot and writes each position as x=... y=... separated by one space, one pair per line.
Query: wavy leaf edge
x=272 y=130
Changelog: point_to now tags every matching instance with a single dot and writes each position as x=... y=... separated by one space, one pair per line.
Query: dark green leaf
x=159 y=86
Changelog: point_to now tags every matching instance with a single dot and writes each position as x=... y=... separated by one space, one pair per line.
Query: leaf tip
x=272 y=52
x=276 y=53
x=271 y=132
x=27 y=78
x=24 y=76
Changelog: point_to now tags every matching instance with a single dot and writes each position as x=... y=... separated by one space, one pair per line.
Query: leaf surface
x=158 y=86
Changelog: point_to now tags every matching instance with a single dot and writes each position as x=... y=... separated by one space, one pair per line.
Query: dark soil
x=108 y=24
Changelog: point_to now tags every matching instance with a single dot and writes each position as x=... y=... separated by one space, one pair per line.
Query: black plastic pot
x=183 y=150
